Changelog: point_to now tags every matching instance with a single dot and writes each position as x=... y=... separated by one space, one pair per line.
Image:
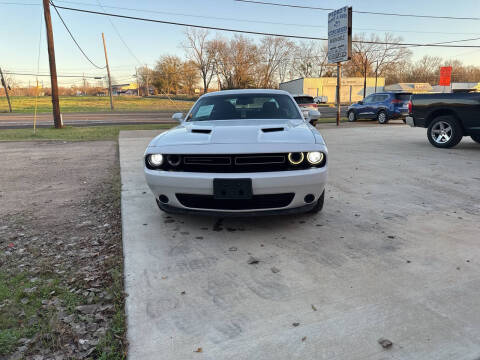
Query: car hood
x=237 y=132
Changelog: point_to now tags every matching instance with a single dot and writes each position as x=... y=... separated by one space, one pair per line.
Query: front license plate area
x=232 y=188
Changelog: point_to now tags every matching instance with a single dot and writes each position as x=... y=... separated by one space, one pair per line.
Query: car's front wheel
x=476 y=138
x=382 y=117
x=319 y=204
x=444 y=132
x=351 y=116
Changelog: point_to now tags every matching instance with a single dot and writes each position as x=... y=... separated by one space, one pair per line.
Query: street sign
x=445 y=76
x=340 y=35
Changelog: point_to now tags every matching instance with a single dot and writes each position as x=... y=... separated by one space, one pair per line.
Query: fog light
x=315 y=157
x=155 y=160
x=309 y=198
x=296 y=158
x=163 y=199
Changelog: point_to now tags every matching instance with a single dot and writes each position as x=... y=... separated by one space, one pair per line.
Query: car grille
x=235 y=163
x=269 y=201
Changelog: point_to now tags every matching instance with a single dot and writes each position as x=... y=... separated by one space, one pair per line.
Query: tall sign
x=340 y=35
x=339 y=44
x=445 y=76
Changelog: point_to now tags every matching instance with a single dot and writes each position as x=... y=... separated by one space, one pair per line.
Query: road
x=394 y=254
x=10 y=121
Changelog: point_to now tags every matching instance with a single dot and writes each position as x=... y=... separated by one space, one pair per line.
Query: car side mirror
x=178 y=116
x=360 y=103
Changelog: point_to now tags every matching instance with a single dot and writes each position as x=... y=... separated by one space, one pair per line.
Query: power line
x=16 y=3
x=74 y=40
x=257 y=32
x=118 y=34
x=65 y=76
x=358 y=11
x=257 y=21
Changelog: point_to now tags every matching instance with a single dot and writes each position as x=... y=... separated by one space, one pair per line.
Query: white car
x=239 y=152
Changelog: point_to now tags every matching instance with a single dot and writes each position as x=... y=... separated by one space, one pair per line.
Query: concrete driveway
x=394 y=254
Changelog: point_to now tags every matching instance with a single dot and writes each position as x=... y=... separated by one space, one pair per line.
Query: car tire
x=351 y=116
x=444 y=132
x=475 y=138
x=382 y=117
x=319 y=204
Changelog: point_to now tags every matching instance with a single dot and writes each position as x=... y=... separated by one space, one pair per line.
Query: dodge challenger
x=239 y=152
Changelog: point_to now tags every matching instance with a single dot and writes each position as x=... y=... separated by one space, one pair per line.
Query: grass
x=68 y=104
x=70 y=133
x=23 y=314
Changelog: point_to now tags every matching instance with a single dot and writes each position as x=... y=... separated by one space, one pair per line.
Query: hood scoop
x=201 y=131
x=277 y=129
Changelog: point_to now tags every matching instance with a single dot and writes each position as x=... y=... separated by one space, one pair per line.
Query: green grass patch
x=70 y=133
x=68 y=104
x=22 y=314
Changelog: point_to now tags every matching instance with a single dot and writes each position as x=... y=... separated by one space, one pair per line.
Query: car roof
x=247 y=91
x=302 y=95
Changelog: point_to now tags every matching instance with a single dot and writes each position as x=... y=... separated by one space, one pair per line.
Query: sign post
x=339 y=44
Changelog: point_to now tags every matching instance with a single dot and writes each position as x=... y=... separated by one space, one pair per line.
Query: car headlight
x=315 y=157
x=296 y=158
x=155 y=160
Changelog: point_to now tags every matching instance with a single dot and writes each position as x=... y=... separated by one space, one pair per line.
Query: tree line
x=241 y=62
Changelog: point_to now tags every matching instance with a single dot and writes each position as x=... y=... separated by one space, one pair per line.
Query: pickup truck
x=448 y=117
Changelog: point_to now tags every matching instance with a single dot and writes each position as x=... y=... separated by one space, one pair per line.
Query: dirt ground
x=61 y=292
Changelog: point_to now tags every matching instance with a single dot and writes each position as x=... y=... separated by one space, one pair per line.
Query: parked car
x=380 y=106
x=447 y=117
x=239 y=152
x=307 y=103
x=320 y=99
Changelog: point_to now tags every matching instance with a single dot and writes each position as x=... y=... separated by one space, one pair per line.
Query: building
x=351 y=87
x=125 y=89
x=457 y=87
x=414 y=88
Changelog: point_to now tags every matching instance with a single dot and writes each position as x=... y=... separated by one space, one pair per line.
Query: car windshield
x=304 y=99
x=403 y=97
x=244 y=106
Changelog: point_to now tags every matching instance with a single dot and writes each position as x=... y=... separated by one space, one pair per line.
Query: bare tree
x=167 y=75
x=310 y=59
x=189 y=77
x=235 y=61
x=274 y=53
x=197 y=50
x=375 y=55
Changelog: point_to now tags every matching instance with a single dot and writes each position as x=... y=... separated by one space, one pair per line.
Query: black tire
x=382 y=117
x=475 y=138
x=351 y=116
x=319 y=204
x=444 y=132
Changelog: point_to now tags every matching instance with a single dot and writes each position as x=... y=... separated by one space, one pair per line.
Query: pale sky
x=21 y=28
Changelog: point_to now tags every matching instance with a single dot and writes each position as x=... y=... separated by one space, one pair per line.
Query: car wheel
x=444 y=132
x=319 y=204
x=382 y=117
x=476 y=138
x=351 y=116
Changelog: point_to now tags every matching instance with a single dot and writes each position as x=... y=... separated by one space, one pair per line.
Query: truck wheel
x=319 y=204
x=444 y=132
x=351 y=116
x=476 y=138
x=382 y=117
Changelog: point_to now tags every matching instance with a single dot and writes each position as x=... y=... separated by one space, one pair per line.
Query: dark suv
x=380 y=106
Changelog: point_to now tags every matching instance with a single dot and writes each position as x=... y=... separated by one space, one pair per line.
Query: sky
x=23 y=42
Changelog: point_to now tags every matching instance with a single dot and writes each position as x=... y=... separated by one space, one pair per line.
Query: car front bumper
x=299 y=182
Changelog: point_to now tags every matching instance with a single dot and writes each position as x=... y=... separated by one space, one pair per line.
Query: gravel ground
x=61 y=287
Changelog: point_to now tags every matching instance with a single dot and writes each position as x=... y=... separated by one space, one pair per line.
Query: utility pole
x=147 y=92
x=339 y=83
x=138 y=83
x=57 y=118
x=84 y=85
x=6 y=90
x=108 y=73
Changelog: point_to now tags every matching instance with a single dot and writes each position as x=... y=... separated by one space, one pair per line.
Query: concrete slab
x=394 y=254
